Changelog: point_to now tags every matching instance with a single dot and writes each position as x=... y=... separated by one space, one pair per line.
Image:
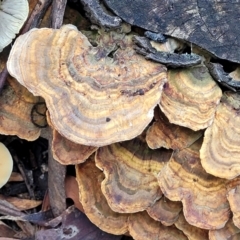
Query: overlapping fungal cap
x=67 y=152
x=16 y=104
x=93 y=99
x=142 y=227
x=95 y=206
x=190 y=97
x=13 y=14
x=165 y=211
x=233 y=196
x=220 y=152
x=165 y=134
x=130 y=167
x=192 y=232
x=229 y=231
x=6 y=164
x=203 y=196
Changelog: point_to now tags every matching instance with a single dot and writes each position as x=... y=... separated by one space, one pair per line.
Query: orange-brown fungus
x=192 y=232
x=130 y=169
x=93 y=99
x=229 y=231
x=142 y=227
x=67 y=152
x=95 y=206
x=220 y=152
x=233 y=196
x=165 y=134
x=16 y=104
x=190 y=97
x=165 y=211
x=203 y=196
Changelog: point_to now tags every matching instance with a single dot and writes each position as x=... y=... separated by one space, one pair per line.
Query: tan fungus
x=95 y=206
x=192 y=232
x=164 y=134
x=16 y=104
x=130 y=168
x=165 y=211
x=93 y=99
x=190 y=97
x=203 y=196
x=142 y=227
x=220 y=152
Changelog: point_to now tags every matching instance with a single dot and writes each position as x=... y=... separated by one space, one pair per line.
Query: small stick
x=58 y=9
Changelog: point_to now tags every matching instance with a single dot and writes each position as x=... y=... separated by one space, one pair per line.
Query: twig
x=58 y=9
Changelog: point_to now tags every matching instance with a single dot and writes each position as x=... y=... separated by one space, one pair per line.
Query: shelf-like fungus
x=130 y=184
x=203 y=196
x=142 y=227
x=93 y=99
x=16 y=104
x=220 y=151
x=6 y=164
x=165 y=134
x=95 y=206
x=190 y=97
x=165 y=211
x=13 y=14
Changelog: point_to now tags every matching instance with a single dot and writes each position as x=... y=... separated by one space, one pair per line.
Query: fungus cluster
x=147 y=143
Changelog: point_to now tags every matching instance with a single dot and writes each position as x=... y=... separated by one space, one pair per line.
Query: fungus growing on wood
x=203 y=196
x=192 y=232
x=220 y=151
x=93 y=99
x=95 y=206
x=6 y=165
x=16 y=104
x=233 y=196
x=130 y=168
x=67 y=152
x=229 y=231
x=165 y=211
x=190 y=97
x=165 y=134
x=142 y=227
x=13 y=14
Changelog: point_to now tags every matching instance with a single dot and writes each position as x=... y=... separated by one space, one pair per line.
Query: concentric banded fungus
x=167 y=135
x=130 y=168
x=220 y=151
x=142 y=227
x=233 y=196
x=193 y=233
x=203 y=196
x=67 y=152
x=95 y=206
x=13 y=14
x=16 y=103
x=93 y=99
x=6 y=165
x=165 y=211
x=229 y=231
x=190 y=97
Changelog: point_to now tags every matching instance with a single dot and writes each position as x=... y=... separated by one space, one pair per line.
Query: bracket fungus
x=6 y=164
x=13 y=14
x=130 y=168
x=95 y=206
x=203 y=196
x=162 y=133
x=142 y=227
x=190 y=97
x=16 y=104
x=220 y=151
x=93 y=99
